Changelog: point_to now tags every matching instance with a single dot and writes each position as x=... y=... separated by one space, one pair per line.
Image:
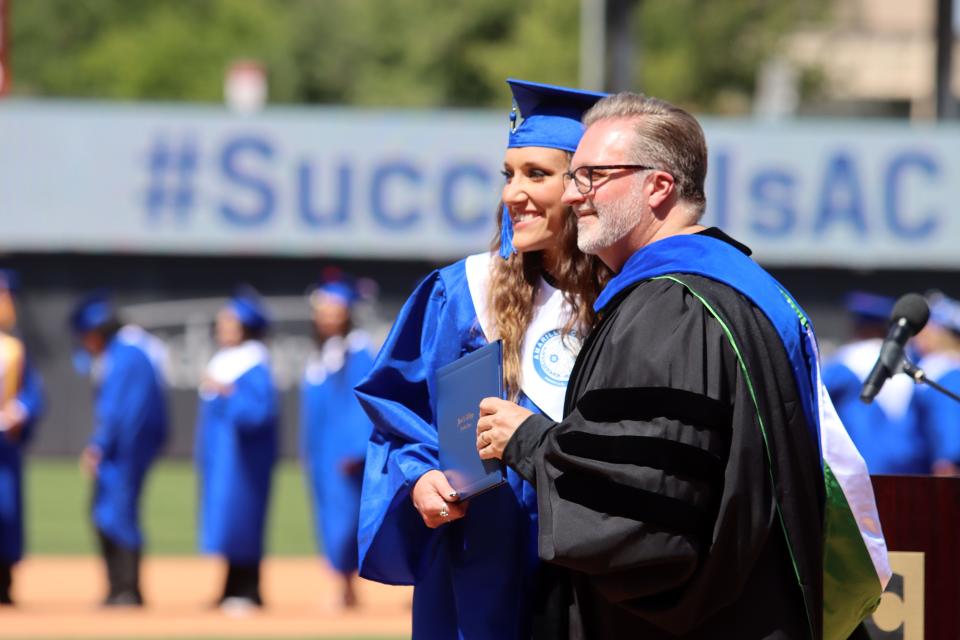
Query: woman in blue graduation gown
x=21 y=403
x=473 y=570
x=237 y=447
x=888 y=432
x=334 y=430
x=131 y=421
x=939 y=350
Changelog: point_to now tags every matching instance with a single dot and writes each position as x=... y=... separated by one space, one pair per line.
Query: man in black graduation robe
x=682 y=494
x=653 y=490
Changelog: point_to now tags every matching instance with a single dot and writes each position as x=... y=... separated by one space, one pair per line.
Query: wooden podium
x=920 y=516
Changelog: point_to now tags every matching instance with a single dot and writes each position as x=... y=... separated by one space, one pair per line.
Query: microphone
x=909 y=315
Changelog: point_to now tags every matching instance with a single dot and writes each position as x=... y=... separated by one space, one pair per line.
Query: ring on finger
x=444 y=513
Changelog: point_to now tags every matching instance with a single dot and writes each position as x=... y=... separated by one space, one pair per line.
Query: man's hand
x=90 y=461
x=435 y=499
x=499 y=419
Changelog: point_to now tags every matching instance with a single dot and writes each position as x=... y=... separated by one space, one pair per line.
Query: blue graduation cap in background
x=249 y=308
x=550 y=118
x=9 y=280
x=91 y=312
x=944 y=311
x=340 y=291
x=342 y=288
x=869 y=306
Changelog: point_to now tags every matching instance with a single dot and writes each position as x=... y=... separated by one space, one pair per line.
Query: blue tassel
x=506 y=235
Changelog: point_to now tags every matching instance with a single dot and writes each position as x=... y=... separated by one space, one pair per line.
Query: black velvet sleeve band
x=519 y=454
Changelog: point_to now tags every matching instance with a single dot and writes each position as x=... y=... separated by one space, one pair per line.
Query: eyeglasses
x=583 y=176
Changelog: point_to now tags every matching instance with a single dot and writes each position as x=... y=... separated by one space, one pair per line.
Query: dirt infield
x=57 y=598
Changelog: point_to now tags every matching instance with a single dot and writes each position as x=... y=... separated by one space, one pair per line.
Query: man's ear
x=663 y=189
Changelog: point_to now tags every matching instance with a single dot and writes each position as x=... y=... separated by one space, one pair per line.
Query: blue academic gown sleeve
x=404 y=445
x=334 y=436
x=131 y=427
x=253 y=404
x=889 y=444
x=941 y=416
x=123 y=398
x=109 y=407
x=354 y=442
x=31 y=396
x=236 y=451
x=473 y=577
x=844 y=386
x=842 y=383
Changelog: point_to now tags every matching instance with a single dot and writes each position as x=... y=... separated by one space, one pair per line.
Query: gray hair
x=667 y=137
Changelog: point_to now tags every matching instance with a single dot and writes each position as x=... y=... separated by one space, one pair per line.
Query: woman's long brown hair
x=513 y=290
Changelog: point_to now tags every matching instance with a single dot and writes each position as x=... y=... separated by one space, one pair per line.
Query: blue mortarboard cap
x=342 y=288
x=340 y=291
x=9 y=280
x=551 y=115
x=869 y=306
x=944 y=311
x=91 y=312
x=550 y=118
x=249 y=308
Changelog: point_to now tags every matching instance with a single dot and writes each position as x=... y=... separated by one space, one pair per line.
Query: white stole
x=546 y=356
x=227 y=365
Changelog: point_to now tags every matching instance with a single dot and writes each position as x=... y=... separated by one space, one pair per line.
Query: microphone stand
x=920 y=377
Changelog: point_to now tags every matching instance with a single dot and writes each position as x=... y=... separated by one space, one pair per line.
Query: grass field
x=58 y=498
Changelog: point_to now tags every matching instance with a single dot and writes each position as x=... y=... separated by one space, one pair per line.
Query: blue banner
x=96 y=177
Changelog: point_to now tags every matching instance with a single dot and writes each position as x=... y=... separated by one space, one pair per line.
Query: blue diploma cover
x=461 y=385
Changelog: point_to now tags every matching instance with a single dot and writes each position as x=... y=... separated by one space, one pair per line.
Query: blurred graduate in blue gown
x=474 y=570
x=938 y=346
x=236 y=447
x=21 y=404
x=334 y=430
x=126 y=365
x=887 y=432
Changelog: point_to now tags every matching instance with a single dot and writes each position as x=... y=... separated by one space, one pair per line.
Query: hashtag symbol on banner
x=172 y=172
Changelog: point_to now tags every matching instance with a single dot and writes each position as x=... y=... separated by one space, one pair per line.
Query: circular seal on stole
x=554 y=355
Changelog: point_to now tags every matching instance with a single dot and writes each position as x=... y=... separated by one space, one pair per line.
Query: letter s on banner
x=234 y=165
x=773 y=194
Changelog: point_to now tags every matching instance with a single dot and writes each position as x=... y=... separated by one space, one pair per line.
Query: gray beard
x=614 y=221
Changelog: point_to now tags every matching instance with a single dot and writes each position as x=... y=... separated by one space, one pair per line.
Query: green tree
x=157 y=50
x=705 y=55
x=412 y=53
x=409 y=53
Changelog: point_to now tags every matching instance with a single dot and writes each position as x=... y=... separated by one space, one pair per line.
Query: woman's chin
x=529 y=247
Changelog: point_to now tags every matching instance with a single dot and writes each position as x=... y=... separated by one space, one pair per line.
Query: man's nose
x=571 y=195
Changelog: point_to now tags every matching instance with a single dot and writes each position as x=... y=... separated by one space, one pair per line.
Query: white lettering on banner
x=406 y=184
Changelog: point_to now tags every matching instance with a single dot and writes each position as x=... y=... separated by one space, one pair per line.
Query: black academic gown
x=658 y=512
